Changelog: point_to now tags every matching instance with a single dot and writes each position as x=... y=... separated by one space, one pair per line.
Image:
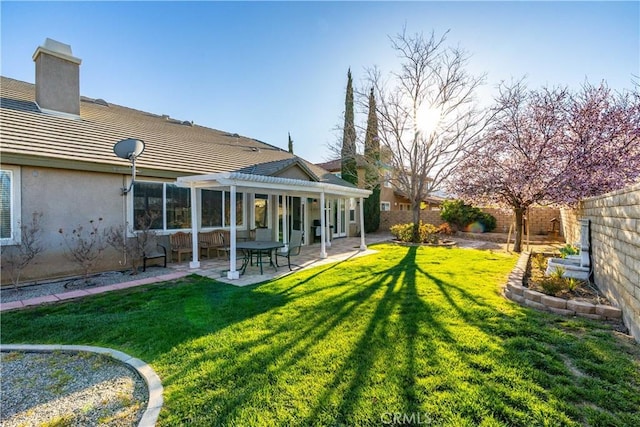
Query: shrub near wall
x=615 y=249
x=391 y=218
x=540 y=218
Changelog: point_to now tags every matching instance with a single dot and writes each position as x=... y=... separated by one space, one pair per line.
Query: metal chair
x=295 y=244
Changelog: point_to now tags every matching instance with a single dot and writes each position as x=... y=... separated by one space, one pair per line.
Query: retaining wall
x=516 y=291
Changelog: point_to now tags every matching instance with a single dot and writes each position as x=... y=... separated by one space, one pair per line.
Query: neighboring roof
x=172 y=147
x=331 y=165
x=336 y=165
x=435 y=198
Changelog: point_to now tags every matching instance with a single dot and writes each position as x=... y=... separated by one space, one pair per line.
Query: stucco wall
x=68 y=199
x=615 y=248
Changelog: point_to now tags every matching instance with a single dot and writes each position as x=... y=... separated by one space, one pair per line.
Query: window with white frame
x=9 y=205
x=352 y=210
x=168 y=207
x=387 y=179
x=385 y=206
x=261 y=211
x=165 y=205
x=216 y=209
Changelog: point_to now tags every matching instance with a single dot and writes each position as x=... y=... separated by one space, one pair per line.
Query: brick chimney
x=57 y=78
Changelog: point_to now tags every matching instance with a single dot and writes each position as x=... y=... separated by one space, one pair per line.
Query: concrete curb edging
x=517 y=292
x=154 y=385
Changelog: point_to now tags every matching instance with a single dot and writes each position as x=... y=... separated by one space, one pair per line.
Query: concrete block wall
x=390 y=218
x=615 y=249
x=539 y=217
x=571 y=224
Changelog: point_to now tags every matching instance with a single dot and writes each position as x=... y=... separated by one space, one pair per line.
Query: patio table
x=259 y=248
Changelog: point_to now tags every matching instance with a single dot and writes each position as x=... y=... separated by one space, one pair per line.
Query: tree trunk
x=517 y=246
x=416 y=223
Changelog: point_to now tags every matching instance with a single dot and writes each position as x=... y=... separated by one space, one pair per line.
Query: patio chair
x=262 y=235
x=154 y=251
x=181 y=244
x=225 y=238
x=213 y=241
x=295 y=244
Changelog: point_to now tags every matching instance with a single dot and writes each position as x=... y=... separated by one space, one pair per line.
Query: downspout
x=124 y=218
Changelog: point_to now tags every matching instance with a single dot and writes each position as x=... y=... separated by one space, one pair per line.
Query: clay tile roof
x=172 y=146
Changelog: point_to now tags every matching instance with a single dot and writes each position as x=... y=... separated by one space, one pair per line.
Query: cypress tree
x=372 y=173
x=349 y=168
x=290 y=143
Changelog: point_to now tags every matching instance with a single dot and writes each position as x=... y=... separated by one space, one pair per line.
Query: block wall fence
x=615 y=247
x=539 y=219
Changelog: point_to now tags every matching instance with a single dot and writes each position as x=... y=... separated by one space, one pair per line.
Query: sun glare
x=428 y=118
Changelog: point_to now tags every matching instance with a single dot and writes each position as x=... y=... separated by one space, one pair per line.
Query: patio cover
x=233 y=181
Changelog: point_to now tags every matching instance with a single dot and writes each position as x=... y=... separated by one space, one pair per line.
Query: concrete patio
x=341 y=249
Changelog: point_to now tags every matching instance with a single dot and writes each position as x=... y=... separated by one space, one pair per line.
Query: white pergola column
x=233 y=274
x=195 y=263
x=363 y=245
x=327 y=214
x=285 y=228
x=323 y=231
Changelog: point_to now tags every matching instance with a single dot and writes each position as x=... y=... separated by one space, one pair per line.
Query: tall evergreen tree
x=372 y=172
x=290 y=143
x=349 y=169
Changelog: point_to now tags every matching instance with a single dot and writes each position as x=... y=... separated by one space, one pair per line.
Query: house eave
x=269 y=183
x=54 y=163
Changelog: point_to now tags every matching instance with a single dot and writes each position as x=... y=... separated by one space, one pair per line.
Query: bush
x=568 y=249
x=427 y=233
x=445 y=229
x=463 y=216
x=553 y=285
x=402 y=232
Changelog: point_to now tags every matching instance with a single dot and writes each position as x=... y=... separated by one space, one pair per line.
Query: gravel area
x=69 y=389
x=9 y=294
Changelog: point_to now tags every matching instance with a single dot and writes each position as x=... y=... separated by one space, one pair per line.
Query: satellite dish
x=129 y=148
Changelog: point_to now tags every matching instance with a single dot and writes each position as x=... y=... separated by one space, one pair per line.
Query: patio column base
x=194 y=264
x=323 y=255
x=363 y=247
x=233 y=275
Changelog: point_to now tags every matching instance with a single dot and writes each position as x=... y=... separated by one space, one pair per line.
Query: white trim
x=363 y=244
x=195 y=262
x=275 y=184
x=15 y=205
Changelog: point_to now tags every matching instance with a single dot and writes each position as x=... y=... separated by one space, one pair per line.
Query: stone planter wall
x=515 y=291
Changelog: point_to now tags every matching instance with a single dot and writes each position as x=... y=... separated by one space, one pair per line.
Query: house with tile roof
x=391 y=198
x=57 y=158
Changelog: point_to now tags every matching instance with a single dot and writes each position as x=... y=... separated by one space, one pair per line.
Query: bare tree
x=427 y=114
x=142 y=241
x=85 y=246
x=16 y=258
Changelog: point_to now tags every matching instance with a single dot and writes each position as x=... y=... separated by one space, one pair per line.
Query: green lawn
x=411 y=334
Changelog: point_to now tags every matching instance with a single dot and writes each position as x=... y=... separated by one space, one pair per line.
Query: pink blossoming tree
x=553 y=146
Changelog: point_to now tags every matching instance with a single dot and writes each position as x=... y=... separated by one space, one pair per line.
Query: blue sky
x=263 y=69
